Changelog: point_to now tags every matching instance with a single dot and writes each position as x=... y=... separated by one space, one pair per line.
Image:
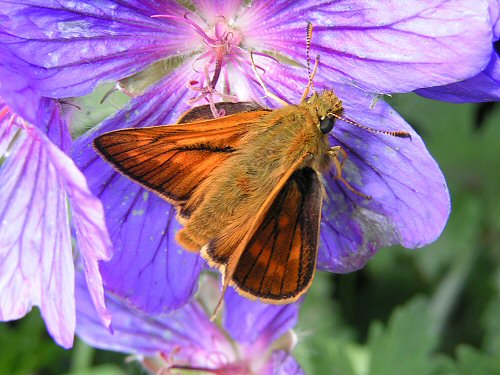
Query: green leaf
x=406 y=344
x=443 y=365
x=459 y=238
x=470 y=361
x=491 y=324
x=332 y=356
x=26 y=347
x=322 y=336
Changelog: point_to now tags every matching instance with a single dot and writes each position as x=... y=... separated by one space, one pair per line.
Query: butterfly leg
x=268 y=93
x=334 y=153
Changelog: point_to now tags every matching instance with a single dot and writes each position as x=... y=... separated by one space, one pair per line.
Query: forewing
x=279 y=261
x=173 y=160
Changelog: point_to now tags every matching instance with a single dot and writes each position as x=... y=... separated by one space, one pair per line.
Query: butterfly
x=247 y=186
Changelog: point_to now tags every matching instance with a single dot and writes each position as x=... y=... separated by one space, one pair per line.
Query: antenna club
x=401 y=134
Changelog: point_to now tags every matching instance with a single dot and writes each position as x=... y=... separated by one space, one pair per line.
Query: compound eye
x=326 y=124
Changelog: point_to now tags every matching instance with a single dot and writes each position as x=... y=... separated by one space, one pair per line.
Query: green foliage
x=26 y=348
x=405 y=345
x=491 y=327
x=433 y=311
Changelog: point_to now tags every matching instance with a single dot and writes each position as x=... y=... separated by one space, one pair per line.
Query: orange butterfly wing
x=219 y=250
x=173 y=160
x=279 y=261
x=274 y=258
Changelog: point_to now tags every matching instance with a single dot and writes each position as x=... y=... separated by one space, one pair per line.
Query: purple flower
x=483 y=87
x=254 y=338
x=166 y=56
x=37 y=179
x=382 y=48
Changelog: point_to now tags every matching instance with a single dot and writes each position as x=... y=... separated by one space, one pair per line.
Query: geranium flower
x=383 y=48
x=37 y=178
x=166 y=55
x=253 y=339
x=483 y=87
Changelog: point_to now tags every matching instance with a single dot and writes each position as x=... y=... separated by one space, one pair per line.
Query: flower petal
x=186 y=334
x=90 y=227
x=15 y=87
x=142 y=226
x=210 y=9
x=72 y=46
x=7 y=131
x=51 y=122
x=37 y=179
x=87 y=211
x=379 y=47
x=185 y=337
x=410 y=202
x=282 y=363
x=483 y=87
x=36 y=262
x=248 y=321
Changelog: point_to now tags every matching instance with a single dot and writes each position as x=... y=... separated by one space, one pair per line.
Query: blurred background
x=435 y=310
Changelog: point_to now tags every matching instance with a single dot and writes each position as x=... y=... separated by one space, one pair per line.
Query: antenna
x=308 y=50
x=394 y=133
x=310 y=83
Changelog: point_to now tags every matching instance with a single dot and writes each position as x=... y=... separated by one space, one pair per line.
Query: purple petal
x=160 y=275
x=248 y=321
x=7 y=131
x=379 y=47
x=47 y=112
x=90 y=227
x=187 y=334
x=210 y=9
x=53 y=124
x=483 y=87
x=72 y=46
x=410 y=202
x=14 y=86
x=185 y=337
x=282 y=363
x=36 y=262
x=87 y=212
x=37 y=256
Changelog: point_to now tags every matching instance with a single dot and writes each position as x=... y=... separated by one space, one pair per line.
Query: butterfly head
x=327 y=107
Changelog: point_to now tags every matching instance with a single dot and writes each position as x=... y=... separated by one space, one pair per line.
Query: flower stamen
x=219 y=49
